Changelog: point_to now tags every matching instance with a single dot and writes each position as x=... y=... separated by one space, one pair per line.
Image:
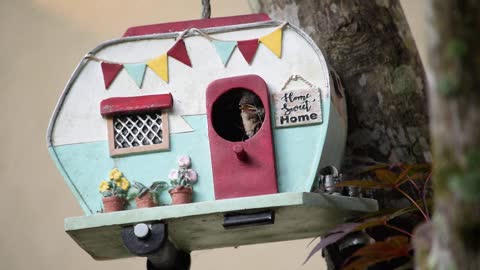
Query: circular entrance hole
x=237 y=115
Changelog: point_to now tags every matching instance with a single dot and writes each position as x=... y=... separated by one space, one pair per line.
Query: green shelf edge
x=198 y=226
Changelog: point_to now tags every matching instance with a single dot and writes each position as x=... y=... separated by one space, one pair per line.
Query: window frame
x=163 y=146
x=124 y=106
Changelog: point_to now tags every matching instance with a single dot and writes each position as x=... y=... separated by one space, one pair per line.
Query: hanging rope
x=206 y=10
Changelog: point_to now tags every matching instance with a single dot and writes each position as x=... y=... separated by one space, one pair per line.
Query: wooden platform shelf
x=198 y=226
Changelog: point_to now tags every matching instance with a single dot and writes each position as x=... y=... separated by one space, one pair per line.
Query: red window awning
x=134 y=105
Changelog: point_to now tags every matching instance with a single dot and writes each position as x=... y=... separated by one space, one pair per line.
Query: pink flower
x=173 y=174
x=192 y=175
x=184 y=161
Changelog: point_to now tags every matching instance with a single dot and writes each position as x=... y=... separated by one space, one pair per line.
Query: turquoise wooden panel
x=297 y=152
x=86 y=164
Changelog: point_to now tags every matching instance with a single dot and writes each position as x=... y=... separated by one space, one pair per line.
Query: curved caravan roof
x=78 y=136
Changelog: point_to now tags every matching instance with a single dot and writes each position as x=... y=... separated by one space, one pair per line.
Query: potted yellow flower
x=114 y=191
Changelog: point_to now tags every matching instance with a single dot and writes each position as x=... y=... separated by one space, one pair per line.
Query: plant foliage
x=383 y=176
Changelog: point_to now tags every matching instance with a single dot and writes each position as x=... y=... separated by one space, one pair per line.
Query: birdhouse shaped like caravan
x=244 y=110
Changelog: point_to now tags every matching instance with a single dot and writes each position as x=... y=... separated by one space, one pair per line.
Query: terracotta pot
x=113 y=203
x=181 y=195
x=145 y=201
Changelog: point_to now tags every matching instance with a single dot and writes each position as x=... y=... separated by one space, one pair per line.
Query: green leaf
x=158 y=185
x=466 y=186
x=107 y=193
x=139 y=186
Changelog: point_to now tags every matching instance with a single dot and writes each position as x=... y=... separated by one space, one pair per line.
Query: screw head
x=141 y=230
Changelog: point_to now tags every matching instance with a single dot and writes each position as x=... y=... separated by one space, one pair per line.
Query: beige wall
x=41 y=42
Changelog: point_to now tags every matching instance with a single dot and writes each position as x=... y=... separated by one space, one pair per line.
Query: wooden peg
x=240 y=152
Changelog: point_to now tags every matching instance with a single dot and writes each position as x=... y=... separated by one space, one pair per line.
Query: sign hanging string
x=296 y=77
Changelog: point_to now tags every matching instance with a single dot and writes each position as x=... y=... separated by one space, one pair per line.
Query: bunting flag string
x=110 y=72
x=273 y=41
x=160 y=66
x=224 y=49
x=136 y=72
x=248 y=48
x=178 y=51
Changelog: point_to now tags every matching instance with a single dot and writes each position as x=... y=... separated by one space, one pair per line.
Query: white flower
x=191 y=175
x=184 y=161
x=173 y=175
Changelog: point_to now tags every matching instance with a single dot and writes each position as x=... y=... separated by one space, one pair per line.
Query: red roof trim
x=203 y=23
x=131 y=105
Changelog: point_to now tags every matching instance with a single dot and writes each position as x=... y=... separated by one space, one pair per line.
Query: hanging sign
x=299 y=106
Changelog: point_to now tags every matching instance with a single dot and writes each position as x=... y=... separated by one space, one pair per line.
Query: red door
x=240 y=136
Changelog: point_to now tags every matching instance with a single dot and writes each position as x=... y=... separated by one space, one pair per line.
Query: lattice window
x=138 y=133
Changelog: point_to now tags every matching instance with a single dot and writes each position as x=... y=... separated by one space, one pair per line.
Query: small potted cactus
x=114 y=191
x=181 y=181
x=147 y=196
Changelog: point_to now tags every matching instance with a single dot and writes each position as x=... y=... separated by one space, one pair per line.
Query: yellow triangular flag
x=160 y=66
x=273 y=41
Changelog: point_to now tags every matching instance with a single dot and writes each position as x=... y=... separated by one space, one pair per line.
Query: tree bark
x=455 y=114
x=369 y=44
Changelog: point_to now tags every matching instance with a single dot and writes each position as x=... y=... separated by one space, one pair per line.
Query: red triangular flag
x=110 y=71
x=248 y=48
x=179 y=52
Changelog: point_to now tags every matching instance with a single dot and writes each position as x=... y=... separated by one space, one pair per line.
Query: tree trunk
x=369 y=44
x=455 y=113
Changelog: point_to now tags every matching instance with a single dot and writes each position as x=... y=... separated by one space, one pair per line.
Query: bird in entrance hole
x=252 y=113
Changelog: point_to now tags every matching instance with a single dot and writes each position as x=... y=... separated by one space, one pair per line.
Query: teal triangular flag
x=224 y=49
x=137 y=72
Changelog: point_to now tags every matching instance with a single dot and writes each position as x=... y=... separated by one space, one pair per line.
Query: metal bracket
x=151 y=241
x=236 y=220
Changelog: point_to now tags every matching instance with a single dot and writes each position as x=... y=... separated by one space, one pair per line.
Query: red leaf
x=367 y=169
x=344 y=227
x=418 y=176
x=372 y=223
x=392 y=247
x=390 y=213
x=386 y=176
x=333 y=236
x=363 y=184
